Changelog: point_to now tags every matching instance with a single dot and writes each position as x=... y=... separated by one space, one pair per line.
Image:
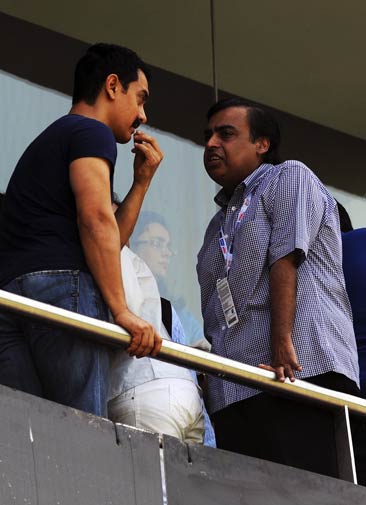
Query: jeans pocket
x=91 y=302
x=55 y=287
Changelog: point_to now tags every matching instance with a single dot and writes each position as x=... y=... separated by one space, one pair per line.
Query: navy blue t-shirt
x=38 y=224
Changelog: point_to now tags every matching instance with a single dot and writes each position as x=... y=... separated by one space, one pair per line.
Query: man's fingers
x=280 y=373
x=134 y=344
x=144 y=137
x=288 y=372
x=147 y=145
x=144 y=339
x=148 y=342
x=145 y=344
x=148 y=151
x=136 y=340
x=157 y=344
x=266 y=367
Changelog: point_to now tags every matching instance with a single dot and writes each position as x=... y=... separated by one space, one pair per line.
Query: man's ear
x=262 y=144
x=111 y=85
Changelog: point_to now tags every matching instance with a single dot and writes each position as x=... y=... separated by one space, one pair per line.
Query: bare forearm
x=101 y=246
x=283 y=281
x=147 y=159
x=283 y=277
x=102 y=250
x=100 y=239
x=128 y=211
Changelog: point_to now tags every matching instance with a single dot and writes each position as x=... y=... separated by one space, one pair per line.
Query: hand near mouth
x=148 y=156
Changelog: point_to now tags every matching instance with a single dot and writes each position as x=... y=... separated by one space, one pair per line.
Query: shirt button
x=223 y=327
x=233 y=208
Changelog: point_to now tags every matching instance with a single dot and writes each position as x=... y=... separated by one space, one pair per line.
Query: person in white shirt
x=148 y=393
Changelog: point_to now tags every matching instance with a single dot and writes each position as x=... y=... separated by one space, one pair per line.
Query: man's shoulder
x=84 y=136
x=289 y=170
x=297 y=170
x=77 y=121
x=293 y=165
x=74 y=130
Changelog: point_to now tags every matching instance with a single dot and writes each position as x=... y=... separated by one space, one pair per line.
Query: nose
x=166 y=251
x=142 y=115
x=212 y=141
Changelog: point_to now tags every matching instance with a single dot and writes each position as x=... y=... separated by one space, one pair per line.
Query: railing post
x=344 y=446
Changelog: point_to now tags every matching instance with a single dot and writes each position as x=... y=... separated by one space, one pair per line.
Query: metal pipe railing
x=198 y=360
x=181 y=355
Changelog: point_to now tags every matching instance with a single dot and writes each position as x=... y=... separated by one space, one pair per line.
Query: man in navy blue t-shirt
x=60 y=241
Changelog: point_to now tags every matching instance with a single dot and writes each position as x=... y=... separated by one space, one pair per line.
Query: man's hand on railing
x=145 y=340
x=284 y=361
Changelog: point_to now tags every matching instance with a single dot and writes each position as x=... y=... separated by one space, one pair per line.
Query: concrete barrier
x=55 y=455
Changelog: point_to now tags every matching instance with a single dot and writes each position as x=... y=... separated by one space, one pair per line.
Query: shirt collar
x=248 y=184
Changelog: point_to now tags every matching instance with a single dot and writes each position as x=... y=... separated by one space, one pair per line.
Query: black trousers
x=285 y=431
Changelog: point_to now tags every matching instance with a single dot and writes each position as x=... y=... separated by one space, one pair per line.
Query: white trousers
x=170 y=406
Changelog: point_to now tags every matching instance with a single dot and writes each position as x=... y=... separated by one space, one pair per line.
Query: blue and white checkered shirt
x=289 y=209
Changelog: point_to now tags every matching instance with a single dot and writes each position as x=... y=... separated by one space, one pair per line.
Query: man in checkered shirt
x=275 y=246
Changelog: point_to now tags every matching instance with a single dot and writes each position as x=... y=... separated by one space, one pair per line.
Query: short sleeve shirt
x=290 y=209
x=38 y=225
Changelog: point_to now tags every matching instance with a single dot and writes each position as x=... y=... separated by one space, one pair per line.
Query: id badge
x=227 y=302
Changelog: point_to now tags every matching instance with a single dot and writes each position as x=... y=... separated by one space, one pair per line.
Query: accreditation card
x=227 y=302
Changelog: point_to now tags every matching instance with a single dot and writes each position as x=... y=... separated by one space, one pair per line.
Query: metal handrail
x=182 y=355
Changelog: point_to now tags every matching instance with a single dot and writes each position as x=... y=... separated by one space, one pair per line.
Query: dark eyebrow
x=218 y=129
x=224 y=127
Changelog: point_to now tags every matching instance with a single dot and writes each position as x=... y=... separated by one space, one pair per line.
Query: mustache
x=136 y=123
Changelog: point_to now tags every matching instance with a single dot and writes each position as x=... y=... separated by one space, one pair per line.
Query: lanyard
x=227 y=252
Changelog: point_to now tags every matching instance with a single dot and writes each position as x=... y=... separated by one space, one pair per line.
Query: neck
x=229 y=191
x=230 y=187
x=90 y=111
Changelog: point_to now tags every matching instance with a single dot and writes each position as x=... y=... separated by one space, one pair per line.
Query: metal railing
x=201 y=361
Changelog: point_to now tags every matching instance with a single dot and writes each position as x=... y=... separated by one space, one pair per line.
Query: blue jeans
x=51 y=362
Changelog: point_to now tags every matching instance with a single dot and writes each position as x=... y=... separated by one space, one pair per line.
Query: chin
x=215 y=178
x=123 y=138
x=161 y=273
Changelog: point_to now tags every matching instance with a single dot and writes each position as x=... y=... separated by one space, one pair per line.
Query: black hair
x=344 y=219
x=2 y=202
x=261 y=124
x=99 y=61
x=145 y=218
